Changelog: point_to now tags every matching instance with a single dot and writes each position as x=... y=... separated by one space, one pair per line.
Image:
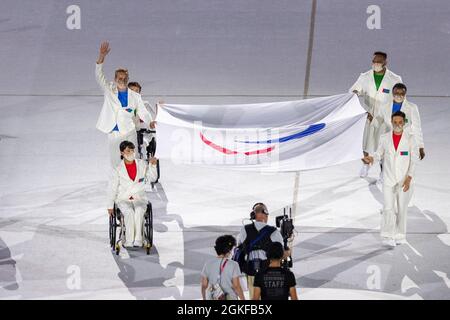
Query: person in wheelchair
x=126 y=190
x=146 y=138
x=150 y=135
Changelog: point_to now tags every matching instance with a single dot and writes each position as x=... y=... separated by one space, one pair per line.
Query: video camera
x=286 y=226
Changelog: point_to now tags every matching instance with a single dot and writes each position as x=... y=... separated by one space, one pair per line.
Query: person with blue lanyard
x=120 y=107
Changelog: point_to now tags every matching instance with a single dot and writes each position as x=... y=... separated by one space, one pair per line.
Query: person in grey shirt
x=223 y=271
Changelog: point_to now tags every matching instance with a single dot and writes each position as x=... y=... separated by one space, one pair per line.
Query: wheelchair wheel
x=140 y=141
x=149 y=228
x=151 y=149
x=116 y=222
x=158 y=171
x=112 y=231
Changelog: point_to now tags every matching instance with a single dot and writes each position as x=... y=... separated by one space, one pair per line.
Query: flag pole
x=305 y=94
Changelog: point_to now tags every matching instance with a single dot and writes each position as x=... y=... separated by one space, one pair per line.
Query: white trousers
x=133 y=213
x=373 y=137
x=114 y=140
x=366 y=135
x=393 y=221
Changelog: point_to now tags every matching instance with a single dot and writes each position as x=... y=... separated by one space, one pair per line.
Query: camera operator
x=254 y=241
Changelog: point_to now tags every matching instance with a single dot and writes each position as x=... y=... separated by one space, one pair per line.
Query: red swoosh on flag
x=248 y=153
x=228 y=151
x=215 y=146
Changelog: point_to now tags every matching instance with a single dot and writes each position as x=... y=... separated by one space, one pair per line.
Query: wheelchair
x=145 y=139
x=117 y=227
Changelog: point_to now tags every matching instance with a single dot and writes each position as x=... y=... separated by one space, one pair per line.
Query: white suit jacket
x=365 y=85
x=412 y=119
x=153 y=110
x=112 y=111
x=121 y=187
x=397 y=165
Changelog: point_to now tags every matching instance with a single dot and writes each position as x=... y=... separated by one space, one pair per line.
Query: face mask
x=377 y=67
x=129 y=157
x=398 y=129
x=398 y=99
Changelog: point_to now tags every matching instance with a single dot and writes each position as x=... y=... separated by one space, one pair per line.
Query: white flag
x=276 y=136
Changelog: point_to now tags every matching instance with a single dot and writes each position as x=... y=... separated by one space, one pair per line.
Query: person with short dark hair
x=375 y=87
x=381 y=53
x=221 y=273
x=126 y=190
x=135 y=86
x=398 y=151
x=401 y=86
x=412 y=115
x=275 y=283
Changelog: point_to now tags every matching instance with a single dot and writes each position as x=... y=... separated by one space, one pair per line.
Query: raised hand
x=104 y=50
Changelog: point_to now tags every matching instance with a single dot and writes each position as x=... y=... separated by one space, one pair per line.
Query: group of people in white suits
x=393 y=137
x=123 y=108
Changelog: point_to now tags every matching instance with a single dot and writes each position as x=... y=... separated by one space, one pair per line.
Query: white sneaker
x=364 y=171
x=389 y=243
x=137 y=243
x=400 y=241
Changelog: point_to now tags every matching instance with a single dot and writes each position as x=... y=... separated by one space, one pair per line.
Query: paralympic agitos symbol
x=307 y=132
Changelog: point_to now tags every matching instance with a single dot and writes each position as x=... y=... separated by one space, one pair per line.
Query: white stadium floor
x=54 y=163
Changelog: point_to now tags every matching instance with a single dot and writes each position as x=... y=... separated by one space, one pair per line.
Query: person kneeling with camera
x=276 y=282
x=254 y=241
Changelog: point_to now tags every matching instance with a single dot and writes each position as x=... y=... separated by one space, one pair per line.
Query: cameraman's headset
x=261 y=206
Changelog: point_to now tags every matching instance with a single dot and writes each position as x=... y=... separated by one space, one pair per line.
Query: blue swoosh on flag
x=309 y=131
